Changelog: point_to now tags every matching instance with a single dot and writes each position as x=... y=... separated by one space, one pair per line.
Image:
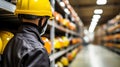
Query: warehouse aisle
x=96 y=56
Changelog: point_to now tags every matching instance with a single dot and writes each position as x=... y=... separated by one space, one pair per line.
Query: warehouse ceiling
x=85 y=10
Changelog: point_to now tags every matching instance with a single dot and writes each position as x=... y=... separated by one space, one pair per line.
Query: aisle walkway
x=96 y=56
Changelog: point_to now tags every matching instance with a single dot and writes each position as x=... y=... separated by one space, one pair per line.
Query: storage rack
x=58 y=54
x=7 y=9
x=111 y=38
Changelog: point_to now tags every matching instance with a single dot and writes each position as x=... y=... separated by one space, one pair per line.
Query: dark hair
x=30 y=17
x=27 y=16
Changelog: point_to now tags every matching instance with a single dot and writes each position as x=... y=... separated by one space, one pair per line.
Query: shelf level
x=58 y=54
x=114 y=49
x=64 y=29
x=117 y=50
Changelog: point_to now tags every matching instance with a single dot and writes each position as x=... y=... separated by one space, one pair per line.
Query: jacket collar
x=30 y=28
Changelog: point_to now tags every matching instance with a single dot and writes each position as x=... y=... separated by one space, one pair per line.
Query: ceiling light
x=101 y=2
x=96 y=16
x=98 y=11
x=95 y=20
x=92 y=26
x=62 y=4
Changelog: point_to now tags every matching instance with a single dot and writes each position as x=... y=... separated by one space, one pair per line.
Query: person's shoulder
x=30 y=40
x=18 y=39
x=20 y=36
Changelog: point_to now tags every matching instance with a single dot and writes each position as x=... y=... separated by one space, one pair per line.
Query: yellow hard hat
x=47 y=44
x=5 y=37
x=0 y=45
x=65 y=61
x=34 y=7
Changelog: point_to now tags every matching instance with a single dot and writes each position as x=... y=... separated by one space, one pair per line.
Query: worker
x=26 y=48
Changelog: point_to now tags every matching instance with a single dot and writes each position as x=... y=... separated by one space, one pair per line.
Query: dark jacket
x=26 y=49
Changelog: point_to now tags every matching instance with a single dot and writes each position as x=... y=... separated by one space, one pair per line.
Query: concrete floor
x=96 y=56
